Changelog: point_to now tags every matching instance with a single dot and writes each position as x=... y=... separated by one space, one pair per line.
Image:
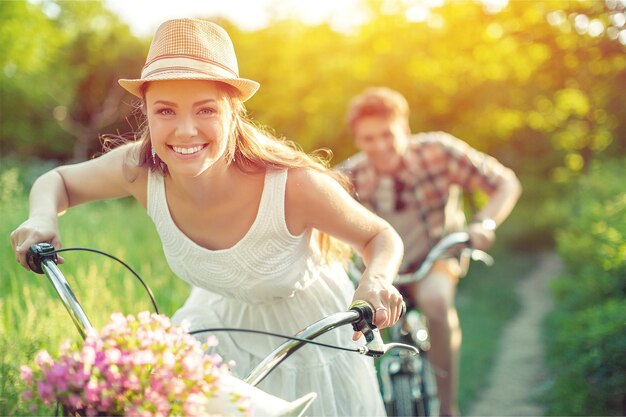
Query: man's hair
x=377 y=101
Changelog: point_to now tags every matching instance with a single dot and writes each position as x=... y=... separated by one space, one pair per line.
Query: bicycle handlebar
x=42 y=259
x=360 y=315
x=454 y=239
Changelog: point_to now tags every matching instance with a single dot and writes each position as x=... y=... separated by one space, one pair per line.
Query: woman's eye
x=207 y=111
x=165 y=112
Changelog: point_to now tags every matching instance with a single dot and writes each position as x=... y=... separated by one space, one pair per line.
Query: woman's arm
x=66 y=186
x=315 y=200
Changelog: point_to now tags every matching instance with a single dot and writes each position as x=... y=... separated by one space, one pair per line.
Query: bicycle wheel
x=429 y=400
x=403 y=403
x=414 y=396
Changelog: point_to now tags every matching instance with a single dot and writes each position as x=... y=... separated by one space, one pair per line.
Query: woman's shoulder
x=304 y=176
x=305 y=191
x=127 y=158
x=304 y=184
x=133 y=173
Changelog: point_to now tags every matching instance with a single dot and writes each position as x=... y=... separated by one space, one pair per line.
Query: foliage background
x=538 y=84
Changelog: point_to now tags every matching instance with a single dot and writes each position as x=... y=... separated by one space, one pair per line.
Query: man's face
x=384 y=141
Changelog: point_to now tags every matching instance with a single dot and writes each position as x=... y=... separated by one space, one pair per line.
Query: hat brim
x=247 y=88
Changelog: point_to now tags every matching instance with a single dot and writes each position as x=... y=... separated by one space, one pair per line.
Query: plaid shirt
x=422 y=200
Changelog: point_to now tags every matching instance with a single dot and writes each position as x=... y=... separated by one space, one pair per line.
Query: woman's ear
x=142 y=106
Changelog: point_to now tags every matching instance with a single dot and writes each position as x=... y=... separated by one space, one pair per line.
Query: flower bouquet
x=145 y=365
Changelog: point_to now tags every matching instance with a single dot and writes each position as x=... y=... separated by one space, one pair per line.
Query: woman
x=249 y=221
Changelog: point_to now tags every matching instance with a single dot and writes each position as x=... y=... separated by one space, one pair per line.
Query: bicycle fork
x=406 y=385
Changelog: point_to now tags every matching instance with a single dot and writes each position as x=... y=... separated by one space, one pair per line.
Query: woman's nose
x=186 y=127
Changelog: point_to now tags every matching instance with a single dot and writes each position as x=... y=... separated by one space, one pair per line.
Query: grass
x=32 y=318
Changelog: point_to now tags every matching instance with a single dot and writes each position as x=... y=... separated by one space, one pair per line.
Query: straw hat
x=191 y=49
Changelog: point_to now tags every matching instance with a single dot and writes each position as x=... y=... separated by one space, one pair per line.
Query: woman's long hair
x=255 y=149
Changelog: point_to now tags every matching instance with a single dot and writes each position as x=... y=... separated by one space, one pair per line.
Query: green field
x=32 y=318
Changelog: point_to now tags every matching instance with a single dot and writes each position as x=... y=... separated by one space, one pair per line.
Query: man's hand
x=482 y=234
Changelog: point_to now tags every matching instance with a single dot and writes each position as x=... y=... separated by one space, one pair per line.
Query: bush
x=586 y=332
x=587 y=355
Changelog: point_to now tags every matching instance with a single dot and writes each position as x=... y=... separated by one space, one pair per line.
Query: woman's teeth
x=187 y=151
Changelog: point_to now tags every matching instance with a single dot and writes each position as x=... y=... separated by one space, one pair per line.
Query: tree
x=72 y=94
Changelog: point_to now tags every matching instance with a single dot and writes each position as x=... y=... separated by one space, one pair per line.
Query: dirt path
x=518 y=370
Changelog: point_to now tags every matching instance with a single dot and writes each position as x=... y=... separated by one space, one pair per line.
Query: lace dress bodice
x=266 y=265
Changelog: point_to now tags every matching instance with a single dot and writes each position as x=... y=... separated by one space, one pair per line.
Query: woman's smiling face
x=189 y=122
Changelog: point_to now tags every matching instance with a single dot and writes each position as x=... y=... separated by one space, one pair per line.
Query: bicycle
x=407 y=382
x=42 y=259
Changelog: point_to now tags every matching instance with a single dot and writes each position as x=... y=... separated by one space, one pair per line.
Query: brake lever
x=374 y=346
x=402 y=346
x=482 y=256
x=378 y=348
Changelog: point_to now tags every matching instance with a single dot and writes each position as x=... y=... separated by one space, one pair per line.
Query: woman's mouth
x=188 y=150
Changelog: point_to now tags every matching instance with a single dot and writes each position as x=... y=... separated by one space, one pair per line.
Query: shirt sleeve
x=469 y=168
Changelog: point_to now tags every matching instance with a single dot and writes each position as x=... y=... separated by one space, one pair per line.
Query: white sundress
x=271 y=280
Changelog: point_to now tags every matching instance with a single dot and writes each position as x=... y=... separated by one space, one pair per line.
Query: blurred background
x=541 y=85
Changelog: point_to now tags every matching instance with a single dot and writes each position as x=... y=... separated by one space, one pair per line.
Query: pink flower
x=92 y=392
x=175 y=386
x=75 y=401
x=131 y=382
x=26 y=373
x=57 y=375
x=144 y=357
x=27 y=395
x=113 y=355
x=168 y=359
x=118 y=320
x=43 y=359
x=88 y=355
x=45 y=391
x=140 y=366
x=77 y=379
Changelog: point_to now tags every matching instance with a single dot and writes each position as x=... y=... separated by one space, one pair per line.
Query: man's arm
x=495 y=211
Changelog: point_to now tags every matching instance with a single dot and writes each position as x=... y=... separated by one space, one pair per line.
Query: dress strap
x=155 y=197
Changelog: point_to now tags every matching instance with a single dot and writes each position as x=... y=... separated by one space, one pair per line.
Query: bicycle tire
x=430 y=399
x=403 y=404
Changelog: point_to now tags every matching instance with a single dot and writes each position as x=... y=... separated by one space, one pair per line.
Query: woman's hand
x=32 y=231
x=384 y=299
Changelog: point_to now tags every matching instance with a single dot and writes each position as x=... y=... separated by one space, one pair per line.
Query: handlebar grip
x=366 y=312
x=36 y=254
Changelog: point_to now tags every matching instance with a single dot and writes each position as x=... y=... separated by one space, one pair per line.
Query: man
x=414 y=182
